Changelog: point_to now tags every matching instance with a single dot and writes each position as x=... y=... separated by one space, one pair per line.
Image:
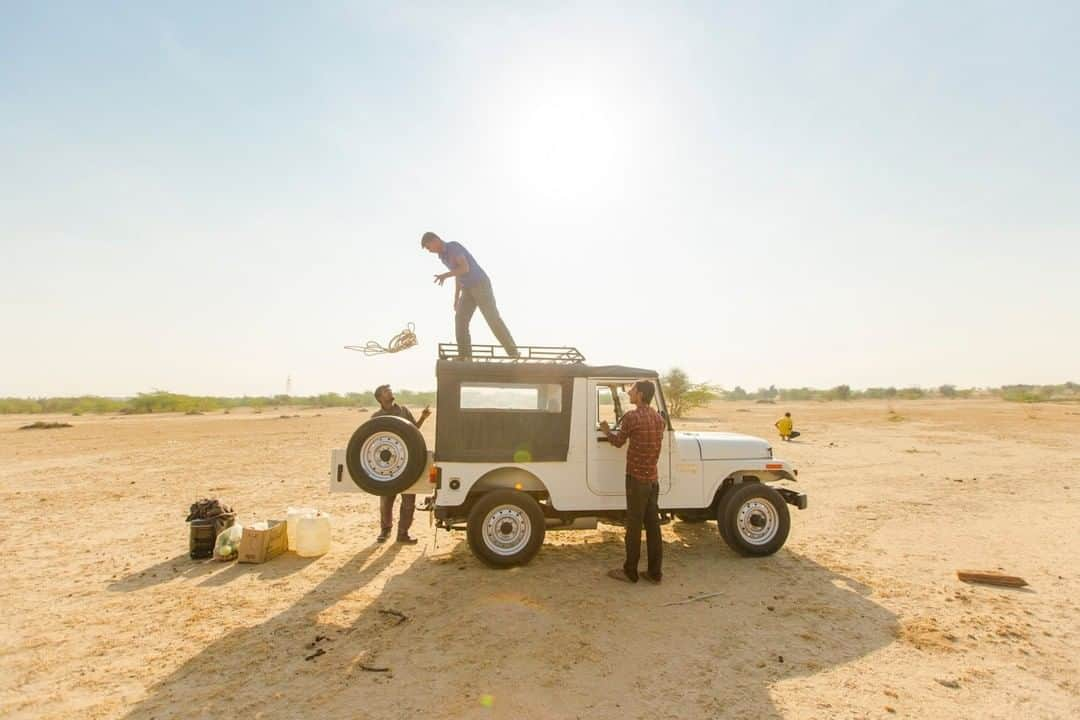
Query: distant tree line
x=160 y=401
x=1015 y=393
x=681 y=394
x=1039 y=393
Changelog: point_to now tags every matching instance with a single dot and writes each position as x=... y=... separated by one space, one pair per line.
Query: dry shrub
x=41 y=425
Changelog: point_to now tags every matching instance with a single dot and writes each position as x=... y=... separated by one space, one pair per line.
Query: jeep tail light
x=434 y=475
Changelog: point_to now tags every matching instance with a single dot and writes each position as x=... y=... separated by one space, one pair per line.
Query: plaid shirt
x=644 y=428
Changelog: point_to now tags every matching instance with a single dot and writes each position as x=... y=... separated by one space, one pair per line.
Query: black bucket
x=202 y=539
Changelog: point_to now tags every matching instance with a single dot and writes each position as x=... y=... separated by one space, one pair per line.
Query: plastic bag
x=228 y=543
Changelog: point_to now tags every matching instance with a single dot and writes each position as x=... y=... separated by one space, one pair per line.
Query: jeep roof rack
x=531 y=354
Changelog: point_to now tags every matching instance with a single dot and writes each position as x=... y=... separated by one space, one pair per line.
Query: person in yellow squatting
x=787 y=427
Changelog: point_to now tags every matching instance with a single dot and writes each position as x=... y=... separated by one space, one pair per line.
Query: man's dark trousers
x=386 y=513
x=480 y=296
x=642 y=506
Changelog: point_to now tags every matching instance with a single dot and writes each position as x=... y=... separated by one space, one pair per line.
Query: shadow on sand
x=554 y=639
x=211 y=572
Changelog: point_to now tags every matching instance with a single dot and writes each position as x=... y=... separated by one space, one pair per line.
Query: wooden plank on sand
x=990 y=578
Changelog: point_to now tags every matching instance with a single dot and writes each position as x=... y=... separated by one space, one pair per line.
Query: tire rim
x=757 y=521
x=507 y=530
x=384 y=457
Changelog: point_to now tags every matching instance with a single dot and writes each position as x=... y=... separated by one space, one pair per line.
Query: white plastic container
x=312 y=535
x=291 y=516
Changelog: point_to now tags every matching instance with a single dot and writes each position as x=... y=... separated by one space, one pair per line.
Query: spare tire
x=386 y=455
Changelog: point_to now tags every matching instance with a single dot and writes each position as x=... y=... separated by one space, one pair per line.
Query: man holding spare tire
x=387 y=406
x=644 y=428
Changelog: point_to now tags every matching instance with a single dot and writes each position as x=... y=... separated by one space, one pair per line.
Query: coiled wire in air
x=402 y=341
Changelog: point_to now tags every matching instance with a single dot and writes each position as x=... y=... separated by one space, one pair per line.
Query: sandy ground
x=860 y=615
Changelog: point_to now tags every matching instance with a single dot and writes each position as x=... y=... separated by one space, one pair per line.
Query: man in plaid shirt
x=644 y=428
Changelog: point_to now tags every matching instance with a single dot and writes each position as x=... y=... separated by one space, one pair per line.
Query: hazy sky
x=209 y=197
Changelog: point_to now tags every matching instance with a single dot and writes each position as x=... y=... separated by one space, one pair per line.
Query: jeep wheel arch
x=509 y=478
x=720 y=503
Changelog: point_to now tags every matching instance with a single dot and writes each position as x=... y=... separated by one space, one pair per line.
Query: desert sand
x=859 y=616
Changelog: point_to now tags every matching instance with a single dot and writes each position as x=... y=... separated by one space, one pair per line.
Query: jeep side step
x=578 y=523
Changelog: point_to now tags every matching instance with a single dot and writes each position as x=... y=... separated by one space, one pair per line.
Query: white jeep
x=518 y=451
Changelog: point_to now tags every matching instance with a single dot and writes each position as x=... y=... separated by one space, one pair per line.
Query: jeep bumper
x=791 y=497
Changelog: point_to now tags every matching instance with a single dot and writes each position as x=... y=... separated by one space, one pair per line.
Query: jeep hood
x=727 y=446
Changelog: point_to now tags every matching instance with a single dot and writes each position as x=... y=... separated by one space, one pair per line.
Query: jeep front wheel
x=506 y=528
x=754 y=519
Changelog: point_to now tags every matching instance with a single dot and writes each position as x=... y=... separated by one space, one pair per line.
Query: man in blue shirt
x=472 y=290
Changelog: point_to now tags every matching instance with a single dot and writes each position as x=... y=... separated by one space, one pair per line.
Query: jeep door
x=606 y=463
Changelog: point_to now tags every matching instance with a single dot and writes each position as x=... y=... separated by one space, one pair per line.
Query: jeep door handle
x=602 y=438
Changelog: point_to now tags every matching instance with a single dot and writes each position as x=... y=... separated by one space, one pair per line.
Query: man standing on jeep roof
x=472 y=289
x=644 y=428
x=387 y=406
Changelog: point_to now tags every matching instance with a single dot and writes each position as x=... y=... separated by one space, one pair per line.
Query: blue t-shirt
x=476 y=274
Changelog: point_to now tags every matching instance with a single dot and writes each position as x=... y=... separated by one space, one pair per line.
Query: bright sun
x=568 y=144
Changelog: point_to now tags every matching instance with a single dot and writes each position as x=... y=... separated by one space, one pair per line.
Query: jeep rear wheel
x=386 y=455
x=506 y=528
x=754 y=519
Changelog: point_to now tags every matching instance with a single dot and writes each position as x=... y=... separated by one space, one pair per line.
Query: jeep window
x=517 y=397
x=605 y=405
x=613 y=400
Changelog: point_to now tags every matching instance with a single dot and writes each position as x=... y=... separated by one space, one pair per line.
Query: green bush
x=681 y=395
x=878 y=393
x=1026 y=393
x=737 y=394
x=71 y=405
x=840 y=392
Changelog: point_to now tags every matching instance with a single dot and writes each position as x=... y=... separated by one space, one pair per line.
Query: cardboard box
x=257 y=546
